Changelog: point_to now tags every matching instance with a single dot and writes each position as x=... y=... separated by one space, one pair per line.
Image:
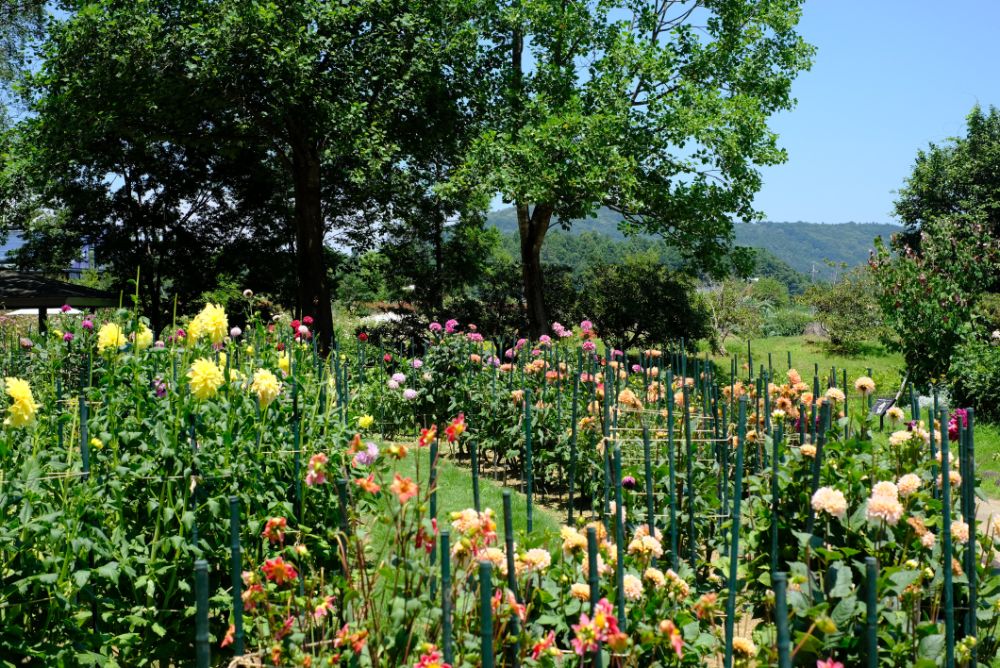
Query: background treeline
x=817 y=250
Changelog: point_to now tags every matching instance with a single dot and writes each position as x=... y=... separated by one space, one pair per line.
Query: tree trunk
x=437 y=290
x=532 y=229
x=313 y=289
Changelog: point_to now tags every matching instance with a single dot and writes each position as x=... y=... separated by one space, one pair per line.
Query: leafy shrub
x=849 y=310
x=975 y=372
x=928 y=297
x=790 y=321
x=641 y=302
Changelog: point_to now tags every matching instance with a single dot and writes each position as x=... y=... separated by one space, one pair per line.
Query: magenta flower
x=589 y=346
x=586 y=325
x=450 y=326
x=87 y=324
x=636 y=368
x=67 y=337
x=960 y=413
x=435 y=327
x=66 y=308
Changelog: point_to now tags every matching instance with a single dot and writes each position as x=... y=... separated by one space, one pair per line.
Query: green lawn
x=887 y=371
x=887 y=368
x=455 y=493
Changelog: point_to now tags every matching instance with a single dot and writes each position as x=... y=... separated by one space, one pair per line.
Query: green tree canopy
x=958 y=178
x=655 y=108
x=640 y=303
x=178 y=133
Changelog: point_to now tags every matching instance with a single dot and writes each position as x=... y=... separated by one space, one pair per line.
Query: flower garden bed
x=226 y=493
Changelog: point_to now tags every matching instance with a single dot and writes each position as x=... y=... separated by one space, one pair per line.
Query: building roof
x=20 y=289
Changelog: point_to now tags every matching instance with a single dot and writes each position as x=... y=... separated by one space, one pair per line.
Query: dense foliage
x=849 y=310
x=959 y=178
x=121 y=456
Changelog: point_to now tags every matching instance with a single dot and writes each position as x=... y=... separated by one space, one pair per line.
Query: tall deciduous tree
x=330 y=88
x=207 y=115
x=125 y=148
x=655 y=108
x=957 y=178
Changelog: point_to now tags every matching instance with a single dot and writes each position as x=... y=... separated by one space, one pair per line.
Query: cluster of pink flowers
x=301 y=328
x=316 y=471
x=603 y=628
x=561 y=331
x=959 y=414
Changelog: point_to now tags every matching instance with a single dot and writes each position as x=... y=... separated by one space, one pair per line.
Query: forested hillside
x=589 y=248
x=805 y=247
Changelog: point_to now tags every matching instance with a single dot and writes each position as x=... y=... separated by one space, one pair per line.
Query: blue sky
x=889 y=77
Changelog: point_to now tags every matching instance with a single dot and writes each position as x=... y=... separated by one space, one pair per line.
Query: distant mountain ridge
x=806 y=247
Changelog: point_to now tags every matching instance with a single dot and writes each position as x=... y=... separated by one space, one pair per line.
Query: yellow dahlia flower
x=144 y=337
x=22 y=412
x=110 y=336
x=284 y=363
x=205 y=378
x=211 y=323
x=266 y=385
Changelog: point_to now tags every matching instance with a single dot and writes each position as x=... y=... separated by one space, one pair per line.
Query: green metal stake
x=573 y=434
x=674 y=549
x=236 y=561
x=871 y=612
x=201 y=647
x=446 y=646
x=948 y=594
x=650 y=511
x=528 y=473
x=84 y=441
x=970 y=550
x=486 y=613
x=473 y=452
x=734 y=548
x=508 y=539
x=432 y=481
x=342 y=499
x=607 y=439
x=775 y=457
x=619 y=537
x=781 y=620
x=593 y=577
x=689 y=486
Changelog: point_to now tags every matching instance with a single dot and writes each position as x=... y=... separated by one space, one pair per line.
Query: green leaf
x=931 y=647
